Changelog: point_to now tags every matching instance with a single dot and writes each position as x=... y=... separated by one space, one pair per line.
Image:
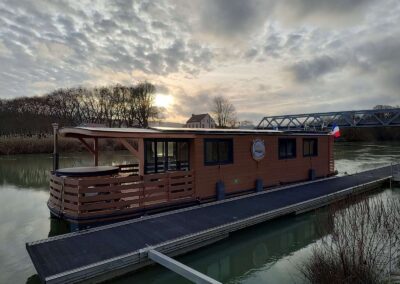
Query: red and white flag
x=335 y=131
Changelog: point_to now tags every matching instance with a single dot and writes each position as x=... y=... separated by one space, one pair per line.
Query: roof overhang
x=103 y=132
x=166 y=132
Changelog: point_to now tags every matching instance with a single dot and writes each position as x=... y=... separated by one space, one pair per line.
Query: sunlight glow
x=162 y=100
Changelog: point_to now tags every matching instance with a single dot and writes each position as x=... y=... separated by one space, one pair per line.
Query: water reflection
x=355 y=157
x=243 y=254
x=29 y=171
x=58 y=227
x=32 y=171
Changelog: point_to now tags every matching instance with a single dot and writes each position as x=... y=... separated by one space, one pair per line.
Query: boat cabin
x=177 y=167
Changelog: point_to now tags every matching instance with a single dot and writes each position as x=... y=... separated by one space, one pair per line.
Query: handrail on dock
x=180 y=268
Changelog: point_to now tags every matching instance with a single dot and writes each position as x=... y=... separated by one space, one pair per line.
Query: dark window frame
x=315 y=149
x=165 y=141
x=218 y=162
x=286 y=157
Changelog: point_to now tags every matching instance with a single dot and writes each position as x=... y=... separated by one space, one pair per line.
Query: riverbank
x=13 y=145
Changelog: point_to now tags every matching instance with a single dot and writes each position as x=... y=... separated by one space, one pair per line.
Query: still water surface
x=270 y=252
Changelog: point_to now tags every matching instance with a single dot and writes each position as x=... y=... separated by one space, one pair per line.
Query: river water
x=270 y=252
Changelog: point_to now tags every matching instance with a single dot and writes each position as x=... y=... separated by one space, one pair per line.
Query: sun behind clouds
x=162 y=100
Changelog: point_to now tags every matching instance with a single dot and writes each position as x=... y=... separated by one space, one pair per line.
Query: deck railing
x=129 y=169
x=97 y=196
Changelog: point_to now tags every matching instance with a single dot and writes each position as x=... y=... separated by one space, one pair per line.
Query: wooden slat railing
x=91 y=196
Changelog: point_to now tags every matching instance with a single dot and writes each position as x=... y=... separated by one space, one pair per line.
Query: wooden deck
x=105 y=252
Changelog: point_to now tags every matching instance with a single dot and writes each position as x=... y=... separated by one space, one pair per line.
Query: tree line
x=113 y=106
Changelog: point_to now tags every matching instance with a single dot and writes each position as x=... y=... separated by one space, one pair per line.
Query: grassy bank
x=35 y=144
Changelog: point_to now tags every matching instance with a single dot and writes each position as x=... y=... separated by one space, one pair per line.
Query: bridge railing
x=323 y=121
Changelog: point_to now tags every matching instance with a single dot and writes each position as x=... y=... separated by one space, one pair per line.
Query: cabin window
x=287 y=148
x=163 y=155
x=218 y=151
x=310 y=147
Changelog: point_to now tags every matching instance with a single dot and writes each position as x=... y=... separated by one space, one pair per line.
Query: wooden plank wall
x=86 y=197
x=242 y=174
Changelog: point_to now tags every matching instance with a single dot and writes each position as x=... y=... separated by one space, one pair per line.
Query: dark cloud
x=331 y=13
x=233 y=18
x=307 y=70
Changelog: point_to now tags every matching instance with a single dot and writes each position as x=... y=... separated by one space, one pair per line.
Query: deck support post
x=96 y=151
x=55 y=147
x=138 y=153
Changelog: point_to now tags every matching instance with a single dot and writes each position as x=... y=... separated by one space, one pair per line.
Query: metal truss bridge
x=324 y=120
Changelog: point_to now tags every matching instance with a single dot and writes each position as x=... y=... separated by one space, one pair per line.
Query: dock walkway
x=111 y=250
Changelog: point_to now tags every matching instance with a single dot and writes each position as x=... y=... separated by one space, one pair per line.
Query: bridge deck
x=84 y=250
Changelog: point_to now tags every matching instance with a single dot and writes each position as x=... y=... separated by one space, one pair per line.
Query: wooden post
x=141 y=156
x=55 y=147
x=96 y=151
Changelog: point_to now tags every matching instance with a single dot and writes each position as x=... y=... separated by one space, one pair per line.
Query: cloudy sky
x=268 y=57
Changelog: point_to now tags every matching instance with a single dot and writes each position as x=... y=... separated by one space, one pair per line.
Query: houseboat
x=178 y=167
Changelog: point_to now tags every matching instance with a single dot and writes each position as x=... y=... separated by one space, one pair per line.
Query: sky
x=267 y=57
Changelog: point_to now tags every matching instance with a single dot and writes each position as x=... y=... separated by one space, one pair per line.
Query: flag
x=335 y=131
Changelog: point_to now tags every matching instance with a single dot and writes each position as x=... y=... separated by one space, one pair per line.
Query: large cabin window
x=310 y=147
x=287 y=148
x=163 y=155
x=218 y=151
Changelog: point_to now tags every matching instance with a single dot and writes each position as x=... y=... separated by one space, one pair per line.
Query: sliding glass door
x=163 y=155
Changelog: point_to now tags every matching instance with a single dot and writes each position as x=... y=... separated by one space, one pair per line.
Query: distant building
x=200 y=121
x=165 y=124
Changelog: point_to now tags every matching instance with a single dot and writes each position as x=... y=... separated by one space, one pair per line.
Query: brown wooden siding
x=242 y=174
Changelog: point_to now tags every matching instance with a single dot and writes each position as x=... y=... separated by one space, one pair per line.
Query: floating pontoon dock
x=105 y=252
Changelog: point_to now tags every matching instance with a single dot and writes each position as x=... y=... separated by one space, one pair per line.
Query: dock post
x=220 y=187
x=259 y=185
x=55 y=147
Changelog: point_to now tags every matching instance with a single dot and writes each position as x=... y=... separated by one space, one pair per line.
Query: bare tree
x=223 y=112
x=111 y=105
x=143 y=101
